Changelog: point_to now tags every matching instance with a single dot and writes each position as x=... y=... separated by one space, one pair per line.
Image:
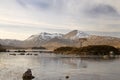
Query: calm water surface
x=47 y=66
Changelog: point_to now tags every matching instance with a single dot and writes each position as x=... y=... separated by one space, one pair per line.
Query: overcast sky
x=21 y=18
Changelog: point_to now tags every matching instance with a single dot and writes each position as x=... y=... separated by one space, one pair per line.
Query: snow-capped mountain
x=41 y=39
x=44 y=36
x=75 y=34
x=54 y=40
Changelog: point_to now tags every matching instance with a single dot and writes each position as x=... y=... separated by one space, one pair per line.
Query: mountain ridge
x=54 y=40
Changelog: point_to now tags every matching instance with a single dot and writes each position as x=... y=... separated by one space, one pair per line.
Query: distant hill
x=55 y=40
x=11 y=42
x=103 y=40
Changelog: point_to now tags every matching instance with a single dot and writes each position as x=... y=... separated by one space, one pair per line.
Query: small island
x=89 y=51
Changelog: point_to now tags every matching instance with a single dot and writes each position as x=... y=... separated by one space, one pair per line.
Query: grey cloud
x=41 y=4
x=102 y=10
x=35 y=3
x=117 y=26
x=21 y=3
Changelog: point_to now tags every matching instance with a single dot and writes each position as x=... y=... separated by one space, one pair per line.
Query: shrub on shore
x=89 y=50
x=64 y=50
x=38 y=47
x=2 y=49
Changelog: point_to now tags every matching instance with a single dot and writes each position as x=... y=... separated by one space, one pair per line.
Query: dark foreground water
x=52 y=67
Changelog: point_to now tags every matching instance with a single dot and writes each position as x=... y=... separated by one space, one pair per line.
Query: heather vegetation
x=2 y=49
x=88 y=50
x=64 y=50
x=38 y=47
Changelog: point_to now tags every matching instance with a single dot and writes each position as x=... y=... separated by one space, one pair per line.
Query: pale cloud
x=36 y=16
x=4 y=34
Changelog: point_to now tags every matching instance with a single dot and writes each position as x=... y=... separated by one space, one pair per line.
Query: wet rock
x=28 y=75
x=67 y=77
x=12 y=54
x=22 y=54
x=36 y=54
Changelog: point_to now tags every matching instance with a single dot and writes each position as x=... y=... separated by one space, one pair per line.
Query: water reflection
x=51 y=67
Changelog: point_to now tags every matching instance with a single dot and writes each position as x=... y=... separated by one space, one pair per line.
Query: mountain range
x=54 y=40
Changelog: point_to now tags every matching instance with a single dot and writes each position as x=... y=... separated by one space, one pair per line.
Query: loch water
x=49 y=66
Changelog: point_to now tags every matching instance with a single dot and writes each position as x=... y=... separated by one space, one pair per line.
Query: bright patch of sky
x=21 y=18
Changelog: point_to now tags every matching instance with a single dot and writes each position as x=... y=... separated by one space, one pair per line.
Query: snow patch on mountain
x=76 y=34
x=80 y=34
x=45 y=36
